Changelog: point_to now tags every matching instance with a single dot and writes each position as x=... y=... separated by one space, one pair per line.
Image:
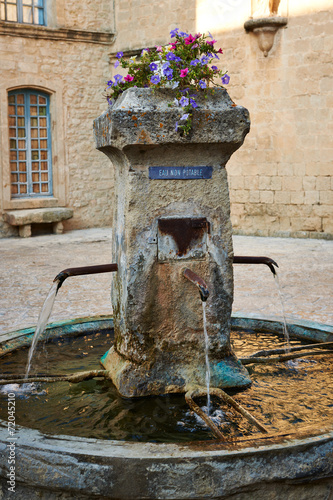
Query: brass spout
x=199 y=282
x=79 y=271
x=257 y=260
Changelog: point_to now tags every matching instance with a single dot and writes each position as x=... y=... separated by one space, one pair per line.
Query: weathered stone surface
x=71 y=467
x=159 y=345
x=37 y=216
x=25 y=231
x=217 y=120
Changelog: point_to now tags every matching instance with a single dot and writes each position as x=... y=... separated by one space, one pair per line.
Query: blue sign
x=184 y=173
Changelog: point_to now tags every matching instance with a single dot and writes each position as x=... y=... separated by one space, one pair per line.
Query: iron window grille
x=29 y=144
x=23 y=11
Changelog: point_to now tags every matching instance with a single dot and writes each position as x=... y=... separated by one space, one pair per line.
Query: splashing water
x=42 y=322
x=285 y=329
x=206 y=355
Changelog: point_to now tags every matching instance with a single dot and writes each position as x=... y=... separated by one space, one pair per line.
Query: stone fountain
x=171 y=213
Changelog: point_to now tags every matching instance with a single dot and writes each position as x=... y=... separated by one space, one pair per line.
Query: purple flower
x=153 y=66
x=109 y=101
x=117 y=79
x=193 y=103
x=110 y=83
x=176 y=127
x=202 y=84
x=215 y=68
x=209 y=33
x=204 y=60
x=185 y=116
x=182 y=33
x=194 y=62
x=116 y=64
x=155 y=79
x=183 y=101
x=168 y=72
x=174 y=32
x=119 y=54
x=165 y=65
x=170 y=56
x=225 y=79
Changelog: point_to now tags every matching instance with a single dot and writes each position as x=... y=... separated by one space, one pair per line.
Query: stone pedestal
x=171 y=212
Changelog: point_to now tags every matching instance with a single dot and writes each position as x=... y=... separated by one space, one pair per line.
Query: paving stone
x=28 y=266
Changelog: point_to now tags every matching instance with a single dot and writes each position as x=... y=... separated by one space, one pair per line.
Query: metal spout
x=257 y=260
x=79 y=271
x=199 y=282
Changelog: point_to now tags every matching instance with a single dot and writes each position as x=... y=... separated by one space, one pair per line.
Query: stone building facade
x=63 y=57
x=281 y=180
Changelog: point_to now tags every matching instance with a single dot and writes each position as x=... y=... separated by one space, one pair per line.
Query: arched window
x=23 y=11
x=29 y=143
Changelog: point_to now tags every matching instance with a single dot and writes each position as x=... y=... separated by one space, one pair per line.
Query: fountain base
x=284 y=465
x=171 y=376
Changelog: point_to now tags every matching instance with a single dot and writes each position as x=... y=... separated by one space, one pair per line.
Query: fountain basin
x=294 y=465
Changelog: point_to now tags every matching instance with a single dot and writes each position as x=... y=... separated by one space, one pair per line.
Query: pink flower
x=183 y=72
x=173 y=45
x=129 y=78
x=158 y=48
x=190 y=39
x=211 y=42
x=220 y=51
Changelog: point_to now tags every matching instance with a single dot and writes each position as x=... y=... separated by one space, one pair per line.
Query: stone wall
x=68 y=58
x=281 y=179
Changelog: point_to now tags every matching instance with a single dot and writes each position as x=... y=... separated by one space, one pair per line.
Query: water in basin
x=286 y=397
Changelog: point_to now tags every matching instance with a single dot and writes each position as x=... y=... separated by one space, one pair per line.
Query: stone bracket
x=265 y=29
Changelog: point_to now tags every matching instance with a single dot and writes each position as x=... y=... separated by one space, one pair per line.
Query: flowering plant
x=183 y=65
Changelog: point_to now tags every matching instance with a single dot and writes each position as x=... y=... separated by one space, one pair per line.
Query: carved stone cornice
x=63 y=34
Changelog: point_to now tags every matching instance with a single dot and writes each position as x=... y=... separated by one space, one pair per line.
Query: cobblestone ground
x=28 y=266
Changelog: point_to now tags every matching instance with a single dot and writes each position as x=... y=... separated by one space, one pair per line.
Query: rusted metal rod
x=189 y=400
x=215 y=391
x=199 y=282
x=79 y=271
x=256 y=260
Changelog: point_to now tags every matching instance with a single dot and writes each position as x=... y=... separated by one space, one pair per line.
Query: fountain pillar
x=171 y=212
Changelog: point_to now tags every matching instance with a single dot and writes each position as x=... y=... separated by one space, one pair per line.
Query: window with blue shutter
x=29 y=143
x=23 y=11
